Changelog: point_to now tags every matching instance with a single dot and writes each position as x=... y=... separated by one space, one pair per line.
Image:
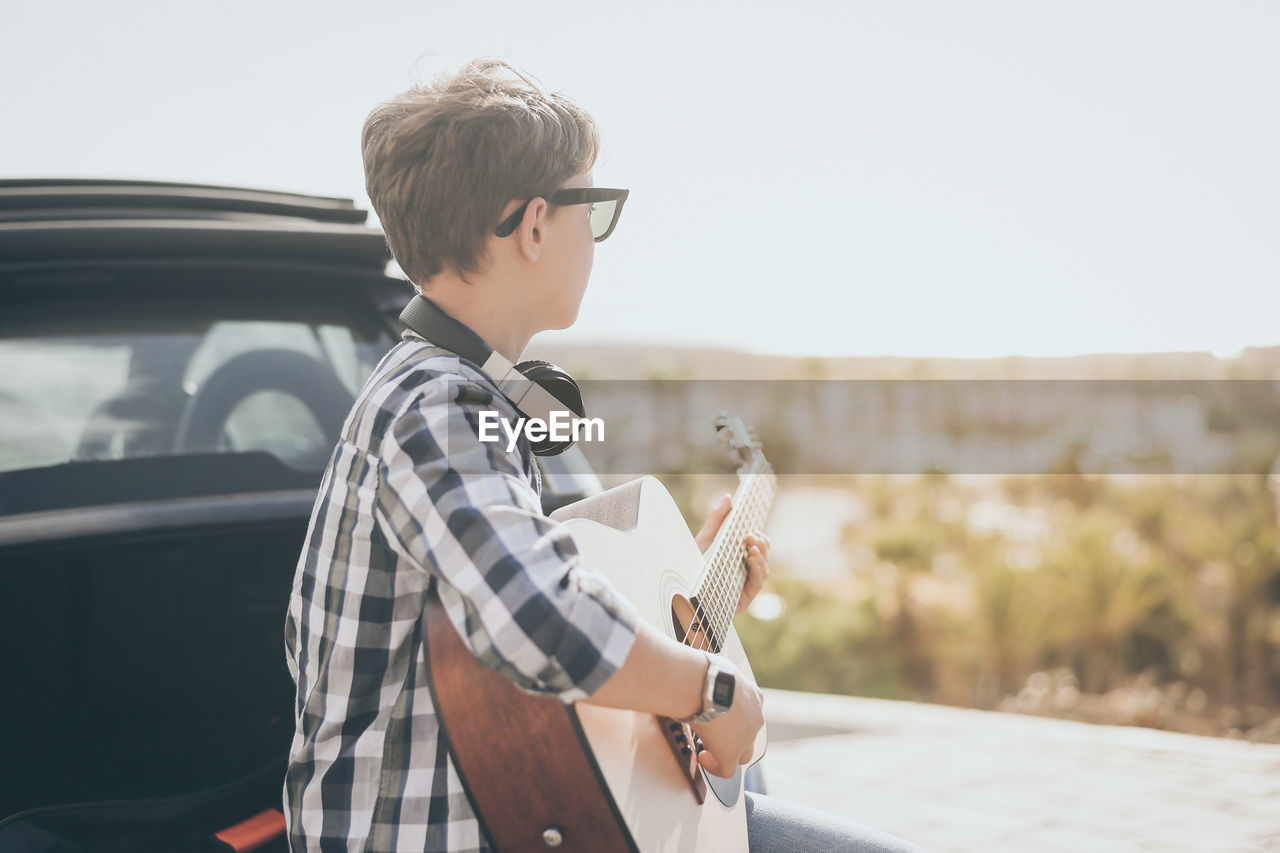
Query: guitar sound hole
x=689 y=627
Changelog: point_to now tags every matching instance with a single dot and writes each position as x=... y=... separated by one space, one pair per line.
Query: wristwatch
x=717 y=690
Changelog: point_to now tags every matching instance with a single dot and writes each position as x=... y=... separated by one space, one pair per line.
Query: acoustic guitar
x=544 y=775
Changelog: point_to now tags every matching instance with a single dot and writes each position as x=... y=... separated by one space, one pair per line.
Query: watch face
x=722 y=692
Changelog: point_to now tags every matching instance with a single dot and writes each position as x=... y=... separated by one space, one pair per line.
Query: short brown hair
x=442 y=160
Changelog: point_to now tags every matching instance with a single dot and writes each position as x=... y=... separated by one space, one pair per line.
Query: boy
x=465 y=176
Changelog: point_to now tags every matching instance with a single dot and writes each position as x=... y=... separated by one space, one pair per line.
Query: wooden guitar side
x=523 y=759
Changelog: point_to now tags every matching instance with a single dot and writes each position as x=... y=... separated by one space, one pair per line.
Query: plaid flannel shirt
x=411 y=495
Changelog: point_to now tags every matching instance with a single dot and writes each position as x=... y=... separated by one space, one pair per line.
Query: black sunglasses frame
x=576 y=195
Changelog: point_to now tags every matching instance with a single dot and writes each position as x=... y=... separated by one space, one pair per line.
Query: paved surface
x=958 y=780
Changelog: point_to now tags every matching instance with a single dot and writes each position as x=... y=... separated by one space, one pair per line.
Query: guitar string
x=750 y=519
x=748 y=513
x=731 y=572
x=755 y=505
x=710 y=596
x=722 y=582
x=724 y=560
x=750 y=510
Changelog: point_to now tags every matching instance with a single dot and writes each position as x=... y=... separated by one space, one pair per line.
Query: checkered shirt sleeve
x=411 y=497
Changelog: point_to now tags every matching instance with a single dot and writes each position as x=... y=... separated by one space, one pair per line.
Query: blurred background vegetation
x=1139 y=600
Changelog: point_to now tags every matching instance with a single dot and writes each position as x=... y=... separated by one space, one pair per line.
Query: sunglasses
x=606 y=207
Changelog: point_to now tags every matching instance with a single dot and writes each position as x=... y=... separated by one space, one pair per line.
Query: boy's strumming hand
x=730 y=738
x=757 y=550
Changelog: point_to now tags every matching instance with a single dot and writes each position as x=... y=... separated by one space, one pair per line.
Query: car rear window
x=138 y=368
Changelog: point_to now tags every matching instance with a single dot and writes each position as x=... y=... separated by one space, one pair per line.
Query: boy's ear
x=531 y=232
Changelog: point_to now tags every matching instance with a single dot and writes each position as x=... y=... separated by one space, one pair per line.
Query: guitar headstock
x=743 y=444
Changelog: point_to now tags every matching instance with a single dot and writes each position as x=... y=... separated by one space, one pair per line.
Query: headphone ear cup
x=559 y=384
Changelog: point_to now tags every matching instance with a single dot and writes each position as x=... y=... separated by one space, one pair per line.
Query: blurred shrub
x=1153 y=600
x=825 y=641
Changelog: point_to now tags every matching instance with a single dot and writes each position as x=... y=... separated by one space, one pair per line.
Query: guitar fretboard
x=726 y=571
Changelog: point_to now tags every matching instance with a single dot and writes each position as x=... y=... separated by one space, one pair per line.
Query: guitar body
x=636 y=537
x=544 y=775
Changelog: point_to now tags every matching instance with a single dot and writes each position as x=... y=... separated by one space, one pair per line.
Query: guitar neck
x=726 y=560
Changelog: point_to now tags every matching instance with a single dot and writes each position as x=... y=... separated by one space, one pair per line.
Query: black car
x=176 y=362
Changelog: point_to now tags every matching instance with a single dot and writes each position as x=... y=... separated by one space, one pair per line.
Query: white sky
x=932 y=179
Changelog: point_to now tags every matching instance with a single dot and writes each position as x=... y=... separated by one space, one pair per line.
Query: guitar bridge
x=685 y=746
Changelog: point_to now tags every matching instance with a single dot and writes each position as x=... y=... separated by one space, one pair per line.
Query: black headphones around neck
x=535 y=388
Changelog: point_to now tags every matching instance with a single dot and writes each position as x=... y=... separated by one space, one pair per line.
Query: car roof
x=66 y=218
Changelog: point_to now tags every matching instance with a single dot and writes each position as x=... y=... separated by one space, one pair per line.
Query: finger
x=745 y=758
x=759 y=540
x=757 y=571
x=712 y=525
x=712 y=765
